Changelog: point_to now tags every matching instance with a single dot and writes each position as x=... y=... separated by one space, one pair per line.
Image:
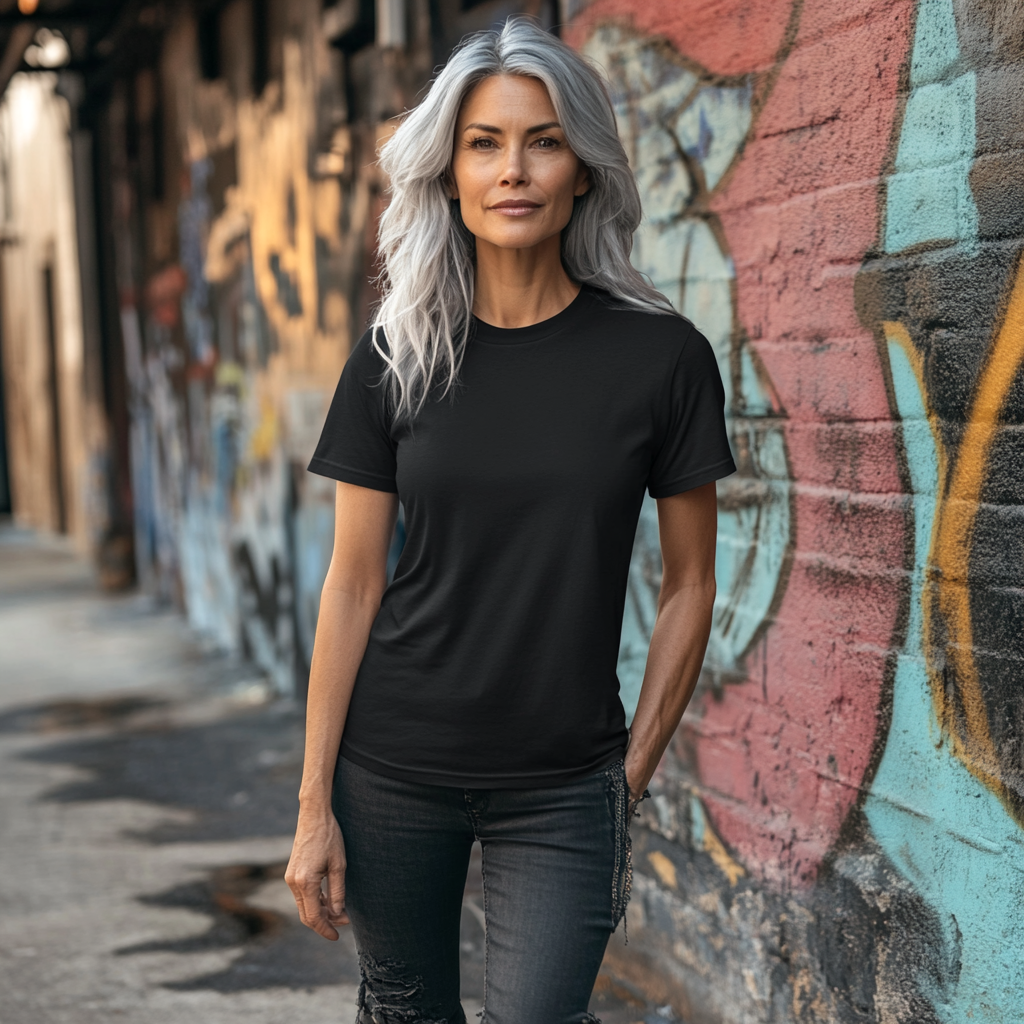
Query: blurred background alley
x=834 y=194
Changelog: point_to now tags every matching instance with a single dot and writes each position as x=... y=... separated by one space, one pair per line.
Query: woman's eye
x=547 y=143
x=482 y=143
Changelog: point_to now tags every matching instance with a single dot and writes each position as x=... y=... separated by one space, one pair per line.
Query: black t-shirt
x=491 y=663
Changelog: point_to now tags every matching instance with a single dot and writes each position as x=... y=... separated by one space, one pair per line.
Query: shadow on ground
x=276 y=950
x=238 y=776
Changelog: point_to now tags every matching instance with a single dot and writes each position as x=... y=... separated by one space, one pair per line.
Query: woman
x=521 y=387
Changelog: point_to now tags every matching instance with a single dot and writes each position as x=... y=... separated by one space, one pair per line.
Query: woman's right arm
x=364 y=521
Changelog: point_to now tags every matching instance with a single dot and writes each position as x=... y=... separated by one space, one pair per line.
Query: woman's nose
x=514 y=171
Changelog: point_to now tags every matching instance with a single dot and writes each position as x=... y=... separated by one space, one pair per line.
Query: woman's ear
x=448 y=181
x=582 y=181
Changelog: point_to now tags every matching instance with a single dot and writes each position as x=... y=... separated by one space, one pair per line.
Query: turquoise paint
x=641 y=606
x=313 y=543
x=663 y=109
x=713 y=126
x=698 y=823
x=756 y=400
x=945 y=831
x=929 y=196
x=936 y=43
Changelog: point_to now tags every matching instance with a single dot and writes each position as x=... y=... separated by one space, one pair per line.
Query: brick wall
x=833 y=195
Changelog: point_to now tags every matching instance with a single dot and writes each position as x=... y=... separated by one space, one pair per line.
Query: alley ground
x=147 y=797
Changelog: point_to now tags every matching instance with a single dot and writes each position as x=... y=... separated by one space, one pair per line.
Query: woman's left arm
x=687 y=525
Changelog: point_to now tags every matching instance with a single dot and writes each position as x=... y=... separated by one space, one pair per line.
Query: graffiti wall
x=833 y=195
x=243 y=206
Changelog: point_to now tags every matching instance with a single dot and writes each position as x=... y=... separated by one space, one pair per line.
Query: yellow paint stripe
x=897 y=334
x=664 y=868
x=715 y=848
x=712 y=844
x=956 y=528
x=976 y=752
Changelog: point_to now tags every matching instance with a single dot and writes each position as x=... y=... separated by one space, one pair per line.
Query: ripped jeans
x=556 y=871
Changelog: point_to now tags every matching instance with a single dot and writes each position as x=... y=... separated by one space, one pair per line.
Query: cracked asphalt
x=147 y=801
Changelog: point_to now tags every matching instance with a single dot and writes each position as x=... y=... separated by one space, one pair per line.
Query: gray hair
x=428 y=253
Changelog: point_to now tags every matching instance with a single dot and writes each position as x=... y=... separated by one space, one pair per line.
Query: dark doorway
x=54 y=396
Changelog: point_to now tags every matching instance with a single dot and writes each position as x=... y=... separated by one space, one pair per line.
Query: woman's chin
x=516 y=236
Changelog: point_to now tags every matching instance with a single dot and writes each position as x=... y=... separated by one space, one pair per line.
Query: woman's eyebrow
x=497 y=131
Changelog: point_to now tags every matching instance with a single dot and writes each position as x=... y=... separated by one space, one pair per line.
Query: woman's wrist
x=317 y=803
x=635 y=776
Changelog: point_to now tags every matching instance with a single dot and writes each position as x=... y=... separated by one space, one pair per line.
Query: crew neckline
x=488 y=334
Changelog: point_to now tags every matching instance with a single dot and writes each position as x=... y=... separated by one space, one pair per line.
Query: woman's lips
x=515 y=207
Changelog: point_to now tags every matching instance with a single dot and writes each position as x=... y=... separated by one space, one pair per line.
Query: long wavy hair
x=427 y=253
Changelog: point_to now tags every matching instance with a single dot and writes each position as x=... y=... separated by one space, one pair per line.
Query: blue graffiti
x=929 y=196
x=194 y=213
x=943 y=829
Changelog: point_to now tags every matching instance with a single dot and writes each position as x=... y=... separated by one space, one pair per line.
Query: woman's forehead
x=506 y=97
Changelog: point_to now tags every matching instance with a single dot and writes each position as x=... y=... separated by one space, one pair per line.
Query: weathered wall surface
x=233 y=338
x=243 y=208
x=56 y=428
x=833 y=195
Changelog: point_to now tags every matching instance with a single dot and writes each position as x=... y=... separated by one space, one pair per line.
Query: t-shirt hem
x=351 y=476
x=461 y=780
x=692 y=480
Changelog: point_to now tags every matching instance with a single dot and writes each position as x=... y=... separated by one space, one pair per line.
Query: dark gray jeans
x=556 y=870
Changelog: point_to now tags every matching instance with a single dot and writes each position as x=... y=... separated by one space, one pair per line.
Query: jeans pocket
x=618 y=805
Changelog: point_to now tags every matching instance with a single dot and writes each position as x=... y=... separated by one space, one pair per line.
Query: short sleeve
x=694 y=446
x=356 y=446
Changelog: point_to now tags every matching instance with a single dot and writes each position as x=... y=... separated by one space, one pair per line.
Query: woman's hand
x=318 y=853
x=636 y=784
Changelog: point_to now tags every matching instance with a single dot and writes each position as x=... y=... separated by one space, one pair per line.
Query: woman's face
x=513 y=173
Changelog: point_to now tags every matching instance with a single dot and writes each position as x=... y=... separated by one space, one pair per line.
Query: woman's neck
x=520 y=287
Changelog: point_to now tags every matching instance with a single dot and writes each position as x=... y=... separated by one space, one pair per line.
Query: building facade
x=55 y=425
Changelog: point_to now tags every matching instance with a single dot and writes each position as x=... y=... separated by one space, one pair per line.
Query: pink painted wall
x=781 y=757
